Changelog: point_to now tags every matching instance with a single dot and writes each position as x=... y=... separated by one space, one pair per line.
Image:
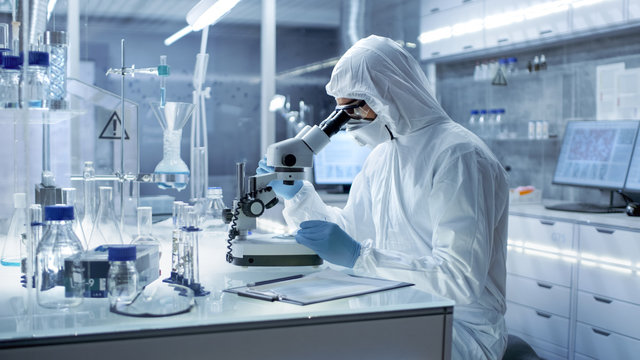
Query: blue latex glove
x=282 y=190
x=329 y=241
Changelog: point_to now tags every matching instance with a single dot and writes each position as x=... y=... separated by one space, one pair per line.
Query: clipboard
x=316 y=287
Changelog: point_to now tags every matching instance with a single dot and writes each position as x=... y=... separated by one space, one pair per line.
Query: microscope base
x=268 y=250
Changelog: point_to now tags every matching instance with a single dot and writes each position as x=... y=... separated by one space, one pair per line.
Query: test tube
x=163 y=72
x=175 y=240
x=35 y=220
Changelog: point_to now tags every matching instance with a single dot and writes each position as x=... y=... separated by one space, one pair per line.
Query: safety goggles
x=354 y=110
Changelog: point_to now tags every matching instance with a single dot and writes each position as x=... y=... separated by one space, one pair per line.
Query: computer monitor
x=595 y=154
x=633 y=178
x=340 y=161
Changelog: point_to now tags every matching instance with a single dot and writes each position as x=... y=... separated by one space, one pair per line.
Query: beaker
x=105 y=229
x=14 y=247
x=171 y=171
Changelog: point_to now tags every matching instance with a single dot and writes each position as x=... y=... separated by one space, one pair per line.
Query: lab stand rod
x=122 y=134
x=240 y=180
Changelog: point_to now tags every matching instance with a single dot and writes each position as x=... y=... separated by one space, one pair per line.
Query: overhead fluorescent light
x=208 y=12
x=178 y=35
x=508 y=18
x=467 y=27
x=544 y=9
x=435 y=35
x=580 y=3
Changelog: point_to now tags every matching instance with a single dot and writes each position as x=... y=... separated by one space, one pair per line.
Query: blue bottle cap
x=513 y=59
x=11 y=62
x=122 y=252
x=493 y=111
x=58 y=212
x=501 y=111
x=502 y=61
x=38 y=58
x=483 y=111
x=474 y=112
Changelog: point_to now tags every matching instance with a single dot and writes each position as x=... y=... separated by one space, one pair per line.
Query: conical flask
x=145 y=235
x=171 y=171
x=14 y=247
x=69 y=199
x=105 y=229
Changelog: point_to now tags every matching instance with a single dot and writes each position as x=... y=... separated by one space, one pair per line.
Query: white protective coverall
x=430 y=206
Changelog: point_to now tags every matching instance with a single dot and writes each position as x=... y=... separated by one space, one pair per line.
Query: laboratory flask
x=36 y=80
x=59 y=279
x=69 y=199
x=105 y=229
x=10 y=82
x=145 y=230
x=89 y=199
x=171 y=170
x=14 y=247
x=122 y=279
x=57 y=46
x=213 y=220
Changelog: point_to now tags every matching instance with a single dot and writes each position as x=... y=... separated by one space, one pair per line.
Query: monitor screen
x=633 y=178
x=340 y=161
x=596 y=154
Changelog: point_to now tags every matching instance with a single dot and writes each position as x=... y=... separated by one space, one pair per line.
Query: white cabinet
x=572 y=286
x=634 y=10
x=433 y=6
x=598 y=15
x=464 y=25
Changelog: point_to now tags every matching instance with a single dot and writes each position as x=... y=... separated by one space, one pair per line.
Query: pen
x=265 y=282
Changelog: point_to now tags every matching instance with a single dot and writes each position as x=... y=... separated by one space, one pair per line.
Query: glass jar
x=214 y=220
x=36 y=80
x=59 y=277
x=10 y=82
x=122 y=280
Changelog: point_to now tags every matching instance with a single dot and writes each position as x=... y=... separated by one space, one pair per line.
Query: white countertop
x=19 y=322
x=616 y=220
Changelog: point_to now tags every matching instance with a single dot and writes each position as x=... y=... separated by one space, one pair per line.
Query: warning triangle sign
x=113 y=129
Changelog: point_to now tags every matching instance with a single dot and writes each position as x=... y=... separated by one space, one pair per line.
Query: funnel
x=171 y=172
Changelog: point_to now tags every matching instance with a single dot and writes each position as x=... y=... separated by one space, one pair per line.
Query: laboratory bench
x=403 y=323
x=572 y=281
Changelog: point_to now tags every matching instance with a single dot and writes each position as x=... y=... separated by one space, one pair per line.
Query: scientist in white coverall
x=430 y=204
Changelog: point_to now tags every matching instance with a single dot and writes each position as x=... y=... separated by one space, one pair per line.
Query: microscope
x=289 y=158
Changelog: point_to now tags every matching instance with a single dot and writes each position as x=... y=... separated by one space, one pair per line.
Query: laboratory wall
x=567 y=89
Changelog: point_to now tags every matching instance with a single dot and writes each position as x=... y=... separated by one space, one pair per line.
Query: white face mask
x=369 y=133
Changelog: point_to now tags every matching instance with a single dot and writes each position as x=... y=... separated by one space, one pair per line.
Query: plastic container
x=59 y=284
x=214 y=220
x=36 y=81
x=14 y=247
x=57 y=45
x=122 y=280
x=10 y=82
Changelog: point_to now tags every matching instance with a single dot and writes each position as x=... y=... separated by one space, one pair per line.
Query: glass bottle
x=213 y=220
x=57 y=46
x=105 y=229
x=36 y=80
x=14 y=247
x=122 y=279
x=57 y=285
x=89 y=194
x=69 y=199
x=145 y=230
x=10 y=82
x=482 y=122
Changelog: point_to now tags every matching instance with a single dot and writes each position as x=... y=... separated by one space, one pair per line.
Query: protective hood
x=378 y=71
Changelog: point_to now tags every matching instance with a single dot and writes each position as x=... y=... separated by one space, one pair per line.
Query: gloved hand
x=329 y=241
x=285 y=191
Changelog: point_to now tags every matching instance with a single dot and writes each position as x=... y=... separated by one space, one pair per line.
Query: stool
x=518 y=349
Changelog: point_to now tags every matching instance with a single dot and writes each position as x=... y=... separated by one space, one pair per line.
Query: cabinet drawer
x=610 y=314
x=537 y=323
x=538 y=294
x=618 y=284
x=611 y=244
x=544 y=349
x=544 y=233
x=601 y=344
x=538 y=265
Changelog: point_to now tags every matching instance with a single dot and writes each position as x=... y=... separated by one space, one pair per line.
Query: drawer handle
x=603 y=300
x=543 y=285
x=545 y=32
x=544 y=315
x=605 y=231
x=503 y=40
x=547 y=222
x=435 y=10
x=600 y=332
x=467 y=47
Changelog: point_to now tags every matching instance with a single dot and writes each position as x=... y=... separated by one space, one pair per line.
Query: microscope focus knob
x=253 y=208
x=289 y=160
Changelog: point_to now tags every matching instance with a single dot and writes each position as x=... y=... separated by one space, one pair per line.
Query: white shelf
x=37 y=116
